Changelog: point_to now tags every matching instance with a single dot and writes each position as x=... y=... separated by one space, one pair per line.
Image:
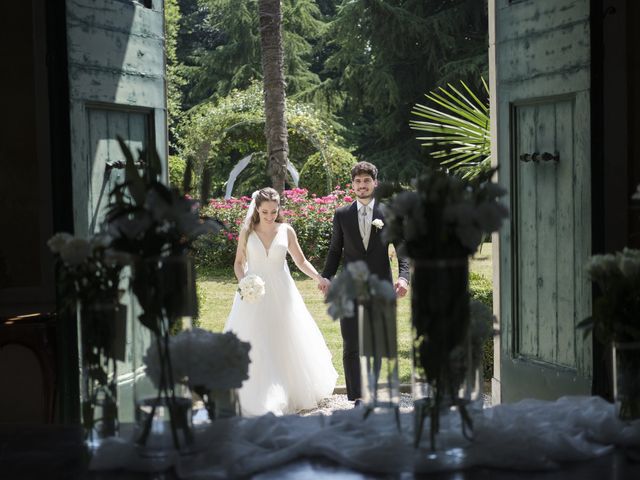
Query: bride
x=291 y=367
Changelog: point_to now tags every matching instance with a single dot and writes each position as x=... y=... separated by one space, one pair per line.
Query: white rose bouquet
x=251 y=288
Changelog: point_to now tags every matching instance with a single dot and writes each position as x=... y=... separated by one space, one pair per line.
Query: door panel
x=545 y=317
x=105 y=125
x=540 y=69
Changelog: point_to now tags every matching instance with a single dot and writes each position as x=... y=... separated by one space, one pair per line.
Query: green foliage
x=175 y=77
x=481 y=289
x=383 y=54
x=325 y=170
x=364 y=61
x=218 y=135
x=615 y=310
x=459 y=126
x=235 y=62
x=177 y=167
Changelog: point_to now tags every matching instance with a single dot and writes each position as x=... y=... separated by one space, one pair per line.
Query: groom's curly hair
x=364 y=168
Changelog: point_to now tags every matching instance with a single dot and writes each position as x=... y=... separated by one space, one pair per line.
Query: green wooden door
x=106 y=160
x=117 y=88
x=541 y=64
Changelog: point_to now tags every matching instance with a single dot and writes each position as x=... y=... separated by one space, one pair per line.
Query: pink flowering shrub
x=311 y=217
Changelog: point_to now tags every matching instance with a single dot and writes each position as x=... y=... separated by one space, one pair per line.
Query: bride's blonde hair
x=266 y=194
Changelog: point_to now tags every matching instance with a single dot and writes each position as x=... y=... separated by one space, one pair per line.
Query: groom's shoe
x=357 y=402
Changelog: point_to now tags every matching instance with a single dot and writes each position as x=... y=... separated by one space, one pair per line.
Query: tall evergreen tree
x=196 y=36
x=386 y=55
x=235 y=61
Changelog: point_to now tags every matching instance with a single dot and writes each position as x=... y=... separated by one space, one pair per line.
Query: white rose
x=378 y=223
x=58 y=241
x=251 y=288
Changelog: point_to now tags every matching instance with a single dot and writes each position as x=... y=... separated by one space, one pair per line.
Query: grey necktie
x=364 y=225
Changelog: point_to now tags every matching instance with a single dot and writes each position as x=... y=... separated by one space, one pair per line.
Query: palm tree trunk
x=274 y=96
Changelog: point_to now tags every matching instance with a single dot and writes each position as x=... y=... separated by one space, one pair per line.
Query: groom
x=355 y=238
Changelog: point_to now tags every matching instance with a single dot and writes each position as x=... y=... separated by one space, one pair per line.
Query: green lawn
x=218 y=290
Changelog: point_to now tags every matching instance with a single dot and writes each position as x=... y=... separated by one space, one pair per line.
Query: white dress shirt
x=365 y=226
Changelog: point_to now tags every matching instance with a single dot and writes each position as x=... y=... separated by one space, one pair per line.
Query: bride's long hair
x=266 y=194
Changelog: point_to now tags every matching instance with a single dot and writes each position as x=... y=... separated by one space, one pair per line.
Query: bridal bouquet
x=251 y=288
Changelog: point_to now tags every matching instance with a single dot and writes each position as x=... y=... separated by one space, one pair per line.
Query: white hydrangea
x=251 y=288
x=203 y=359
x=75 y=251
x=58 y=241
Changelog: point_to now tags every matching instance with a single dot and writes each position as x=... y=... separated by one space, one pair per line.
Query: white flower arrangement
x=251 y=288
x=378 y=223
x=90 y=269
x=203 y=360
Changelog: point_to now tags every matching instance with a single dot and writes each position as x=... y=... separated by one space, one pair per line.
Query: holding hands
x=401 y=286
x=323 y=285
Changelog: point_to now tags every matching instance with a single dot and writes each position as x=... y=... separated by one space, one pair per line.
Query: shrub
x=177 y=167
x=482 y=290
x=314 y=175
x=311 y=217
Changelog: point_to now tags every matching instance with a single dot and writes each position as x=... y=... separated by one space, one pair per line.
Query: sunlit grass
x=219 y=287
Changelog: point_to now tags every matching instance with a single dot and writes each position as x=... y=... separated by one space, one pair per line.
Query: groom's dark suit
x=347 y=245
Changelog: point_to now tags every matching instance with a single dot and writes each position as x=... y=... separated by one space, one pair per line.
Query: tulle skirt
x=291 y=368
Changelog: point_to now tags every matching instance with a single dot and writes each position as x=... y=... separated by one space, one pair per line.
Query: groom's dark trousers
x=346 y=247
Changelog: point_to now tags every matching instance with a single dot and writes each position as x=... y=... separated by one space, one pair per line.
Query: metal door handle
x=537 y=157
x=119 y=165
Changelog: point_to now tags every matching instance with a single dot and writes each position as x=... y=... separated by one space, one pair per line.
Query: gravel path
x=340 y=402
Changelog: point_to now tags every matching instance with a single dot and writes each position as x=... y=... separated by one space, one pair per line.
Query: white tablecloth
x=530 y=434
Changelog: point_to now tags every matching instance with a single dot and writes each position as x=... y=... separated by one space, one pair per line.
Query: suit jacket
x=346 y=245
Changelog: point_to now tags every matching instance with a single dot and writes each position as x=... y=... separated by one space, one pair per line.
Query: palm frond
x=457 y=126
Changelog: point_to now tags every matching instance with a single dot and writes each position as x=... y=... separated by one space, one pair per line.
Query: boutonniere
x=378 y=223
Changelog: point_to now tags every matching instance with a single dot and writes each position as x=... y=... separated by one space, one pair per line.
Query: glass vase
x=101 y=346
x=446 y=373
x=378 y=348
x=626 y=379
x=223 y=404
x=164 y=289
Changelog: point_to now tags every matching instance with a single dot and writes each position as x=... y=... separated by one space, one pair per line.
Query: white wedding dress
x=290 y=367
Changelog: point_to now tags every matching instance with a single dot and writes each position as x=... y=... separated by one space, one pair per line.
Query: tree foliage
x=325 y=170
x=386 y=53
x=235 y=61
x=175 y=77
x=364 y=62
x=218 y=135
